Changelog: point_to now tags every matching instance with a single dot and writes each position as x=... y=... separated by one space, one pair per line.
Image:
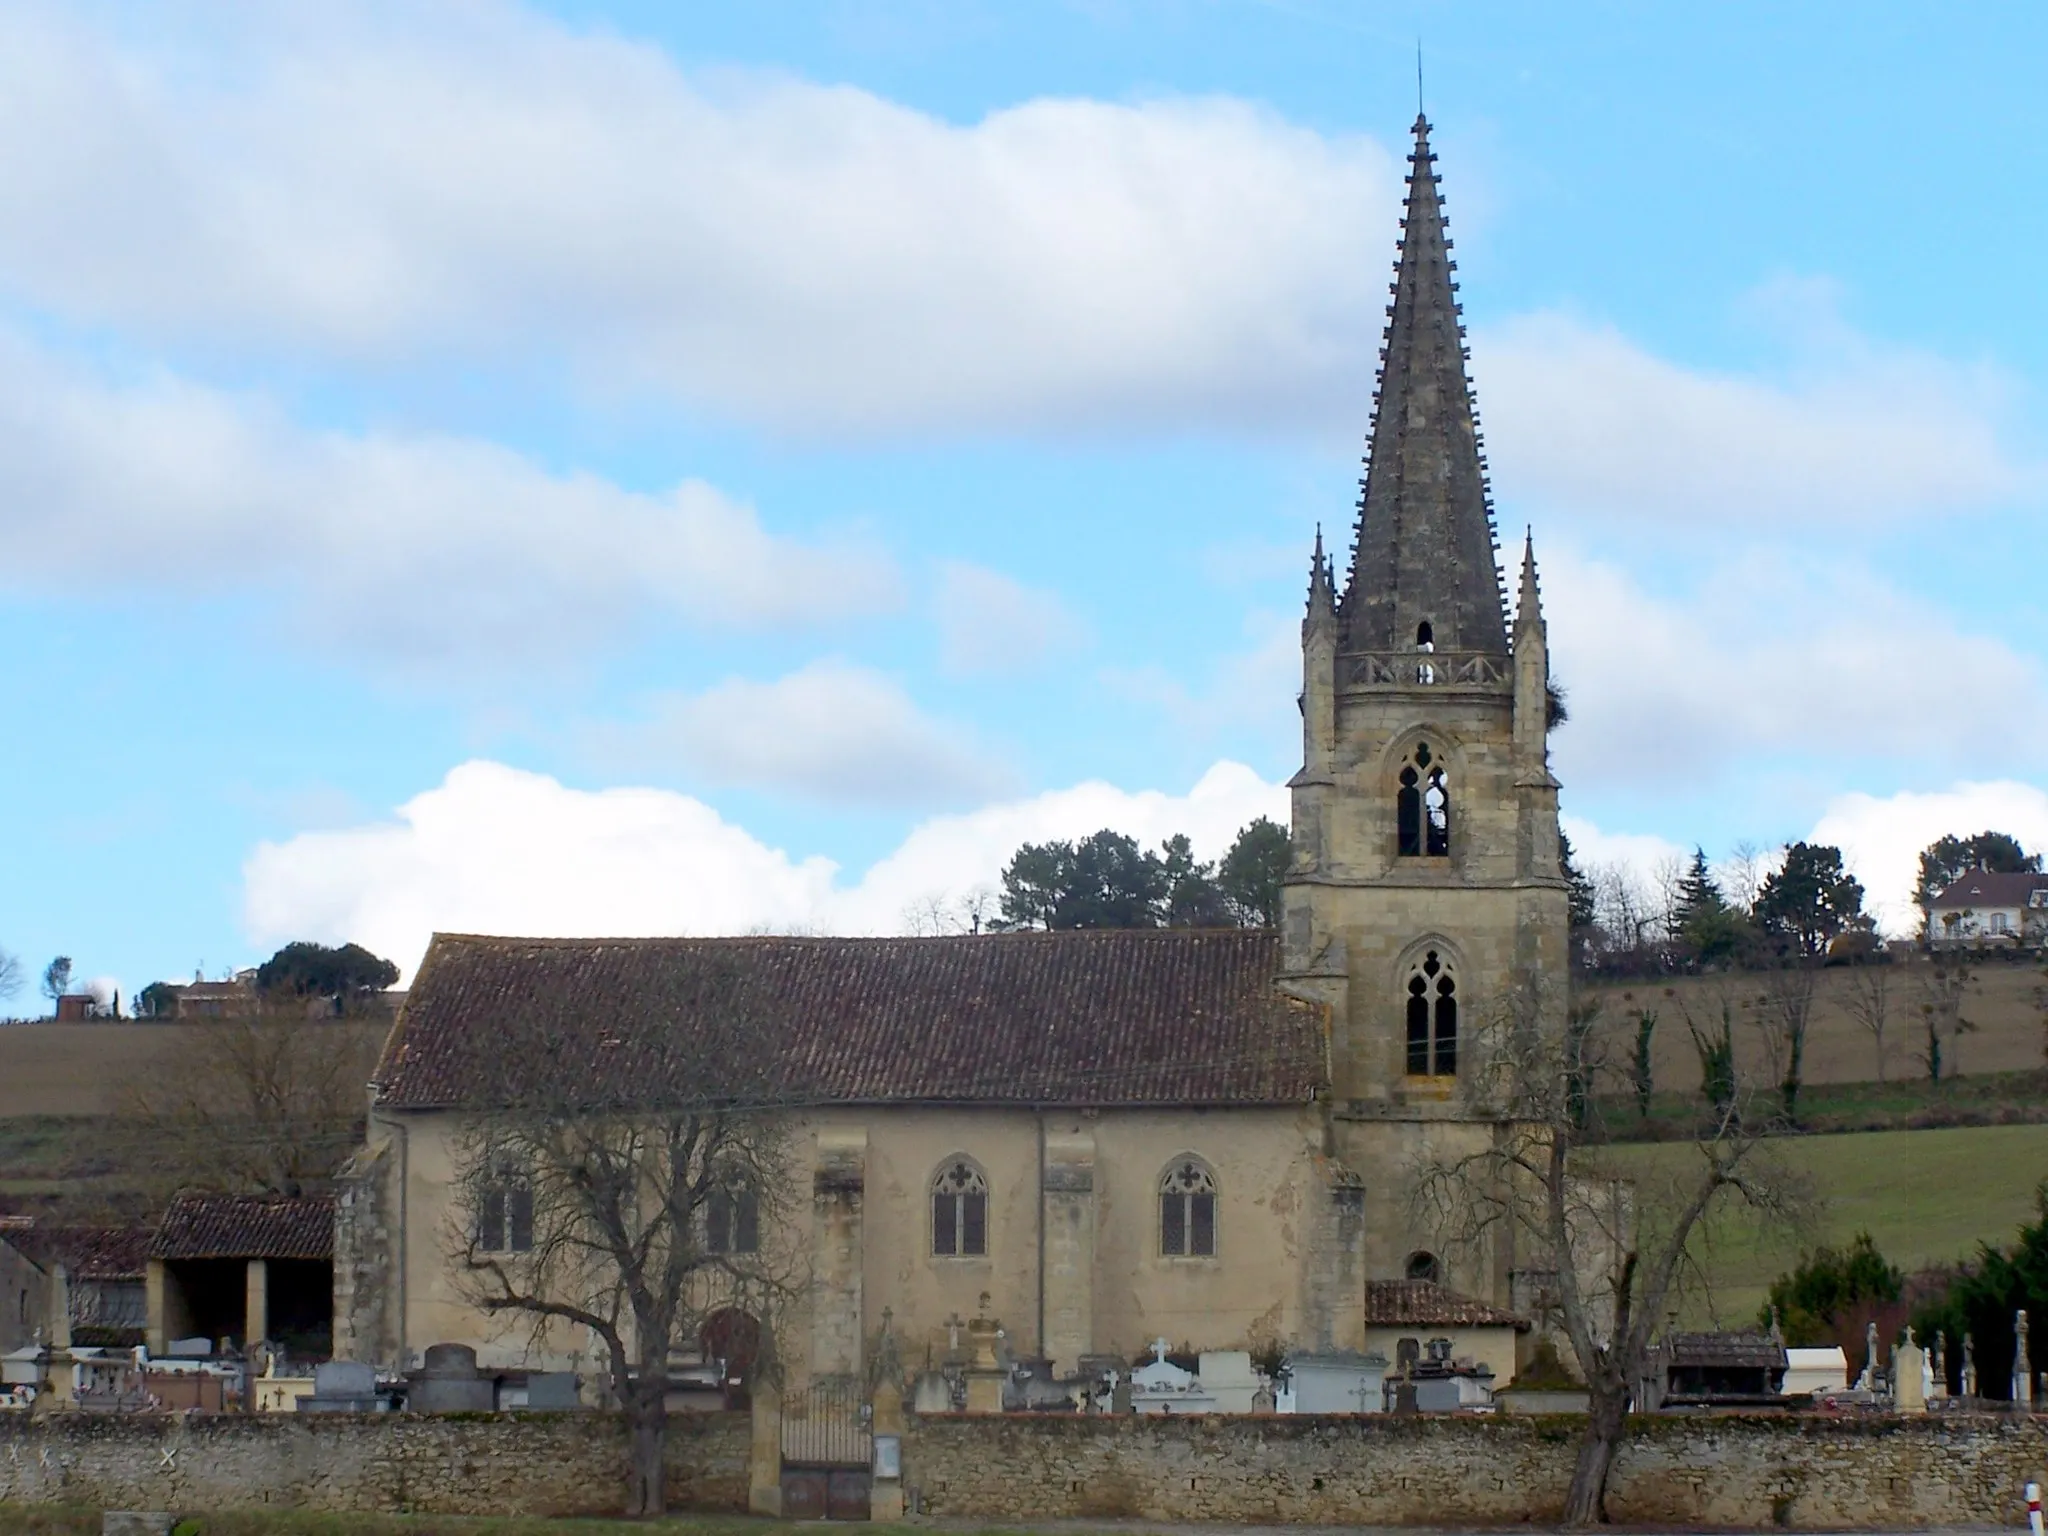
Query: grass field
x=1926 y=1197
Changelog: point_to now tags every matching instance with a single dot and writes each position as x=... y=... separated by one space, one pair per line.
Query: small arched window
x=960 y=1211
x=1432 y=1019
x=1187 y=1210
x=1423 y=1265
x=1422 y=806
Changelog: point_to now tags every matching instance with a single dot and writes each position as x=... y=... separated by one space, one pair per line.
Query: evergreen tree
x=1706 y=927
x=1250 y=873
x=1809 y=899
x=1581 y=899
x=1948 y=859
x=1815 y=1300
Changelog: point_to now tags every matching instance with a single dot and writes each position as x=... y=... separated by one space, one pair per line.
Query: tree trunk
x=647 y=1418
x=1586 y=1503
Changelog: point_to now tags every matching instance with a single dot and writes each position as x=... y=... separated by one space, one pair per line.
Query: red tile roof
x=246 y=1227
x=1092 y=1017
x=1425 y=1304
x=88 y=1253
x=1982 y=888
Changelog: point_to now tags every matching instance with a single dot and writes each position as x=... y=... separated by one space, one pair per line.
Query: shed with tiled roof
x=246 y=1227
x=1092 y=1018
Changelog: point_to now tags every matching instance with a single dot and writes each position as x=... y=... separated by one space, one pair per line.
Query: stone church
x=1098 y=1138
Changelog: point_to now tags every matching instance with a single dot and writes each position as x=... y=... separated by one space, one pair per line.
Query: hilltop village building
x=1112 y=1137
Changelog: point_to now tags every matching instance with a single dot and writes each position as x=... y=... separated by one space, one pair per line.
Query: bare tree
x=636 y=1202
x=1944 y=982
x=269 y=1102
x=1625 y=912
x=1784 y=1012
x=11 y=979
x=1621 y=1243
x=1867 y=998
x=939 y=915
x=1743 y=872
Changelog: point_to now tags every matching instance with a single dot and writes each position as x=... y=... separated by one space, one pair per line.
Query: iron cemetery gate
x=828 y=1449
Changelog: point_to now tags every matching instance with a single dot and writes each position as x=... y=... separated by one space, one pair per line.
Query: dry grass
x=2004 y=1003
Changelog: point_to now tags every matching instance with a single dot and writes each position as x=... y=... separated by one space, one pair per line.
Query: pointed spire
x=1425 y=552
x=1529 y=601
x=1322 y=595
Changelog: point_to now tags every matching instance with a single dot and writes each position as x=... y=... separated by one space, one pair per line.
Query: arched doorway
x=732 y=1338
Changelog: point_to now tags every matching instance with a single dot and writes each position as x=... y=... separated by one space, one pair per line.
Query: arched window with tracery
x=1422 y=806
x=960 y=1210
x=1424 y=1265
x=1187 y=1210
x=1432 y=1018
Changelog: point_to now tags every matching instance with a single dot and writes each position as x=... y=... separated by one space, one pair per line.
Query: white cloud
x=833 y=731
x=1254 y=685
x=1881 y=836
x=1776 y=659
x=422 y=548
x=493 y=849
x=1582 y=418
x=989 y=622
x=382 y=184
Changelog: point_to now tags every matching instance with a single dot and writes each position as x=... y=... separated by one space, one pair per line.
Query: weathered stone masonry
x=1796 y=1473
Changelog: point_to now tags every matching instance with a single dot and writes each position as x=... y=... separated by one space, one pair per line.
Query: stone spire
x=1425 y=552
x=1322 y=596
x=1529 y=601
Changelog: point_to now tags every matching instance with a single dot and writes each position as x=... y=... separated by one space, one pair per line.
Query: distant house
x=1983 y=907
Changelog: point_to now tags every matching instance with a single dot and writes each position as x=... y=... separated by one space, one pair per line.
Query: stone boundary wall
x=542 y=1464
x=1761 y=1471
x=1753 y=1471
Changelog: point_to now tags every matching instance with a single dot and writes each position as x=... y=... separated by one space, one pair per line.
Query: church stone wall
x=1088 y=1233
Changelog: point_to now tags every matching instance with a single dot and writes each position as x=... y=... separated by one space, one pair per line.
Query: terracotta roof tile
x=1425 y=1304
x=88 y=1253
x=246 y=1227
x=1102 y=1017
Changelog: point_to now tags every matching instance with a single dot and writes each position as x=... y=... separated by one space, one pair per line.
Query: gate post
x=764 y=1452
x=885 y=1494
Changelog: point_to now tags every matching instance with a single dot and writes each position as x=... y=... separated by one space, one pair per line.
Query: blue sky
x=655 y=468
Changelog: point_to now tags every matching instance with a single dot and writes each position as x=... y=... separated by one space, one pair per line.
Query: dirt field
x=76 y=1069
x=2003 y=1003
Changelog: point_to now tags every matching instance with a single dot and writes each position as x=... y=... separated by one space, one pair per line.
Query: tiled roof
x=1724 y=1349
x=1174 y=1016
x=1425 y=1304
x=1982 y=888
x=88 y=1253
x=246 y=1227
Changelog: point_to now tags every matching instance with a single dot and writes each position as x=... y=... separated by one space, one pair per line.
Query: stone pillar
x=255 y=1304
x=157 y=1288
x=985 y=1373
x=1067 y=1281
x=764 y=1451
x=1909 y=1386
x=885 y=1493
x=1333 y=1268
x=60 y=1308
x=838 y=1185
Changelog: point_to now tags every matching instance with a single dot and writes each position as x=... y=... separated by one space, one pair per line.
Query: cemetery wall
x=554 y=1464
x=1757 y=1472
x=1698 y=1472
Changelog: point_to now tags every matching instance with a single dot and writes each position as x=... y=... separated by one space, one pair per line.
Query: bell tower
x=1425 y=898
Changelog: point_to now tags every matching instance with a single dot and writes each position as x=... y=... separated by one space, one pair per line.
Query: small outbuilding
x=1403 y=1316
x=247 y=1269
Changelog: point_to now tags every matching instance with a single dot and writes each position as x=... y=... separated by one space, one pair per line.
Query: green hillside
x=1927 y=1197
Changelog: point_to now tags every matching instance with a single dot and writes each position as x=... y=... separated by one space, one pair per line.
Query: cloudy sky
x=620 y=467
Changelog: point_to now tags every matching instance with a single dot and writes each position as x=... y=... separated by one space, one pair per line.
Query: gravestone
x=552 y=1392
x=342 y=1386
x=448 y=1382
x=1909 y=1389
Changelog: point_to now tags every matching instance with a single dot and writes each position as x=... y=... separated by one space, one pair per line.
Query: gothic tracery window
x=960 y=1211
x=732 y=1219
x=1432 y=1019
x=1422 y=806
x=1187 y=1210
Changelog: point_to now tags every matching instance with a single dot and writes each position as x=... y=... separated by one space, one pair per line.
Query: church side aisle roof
x=1084 y=1018
x=1425 y=550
